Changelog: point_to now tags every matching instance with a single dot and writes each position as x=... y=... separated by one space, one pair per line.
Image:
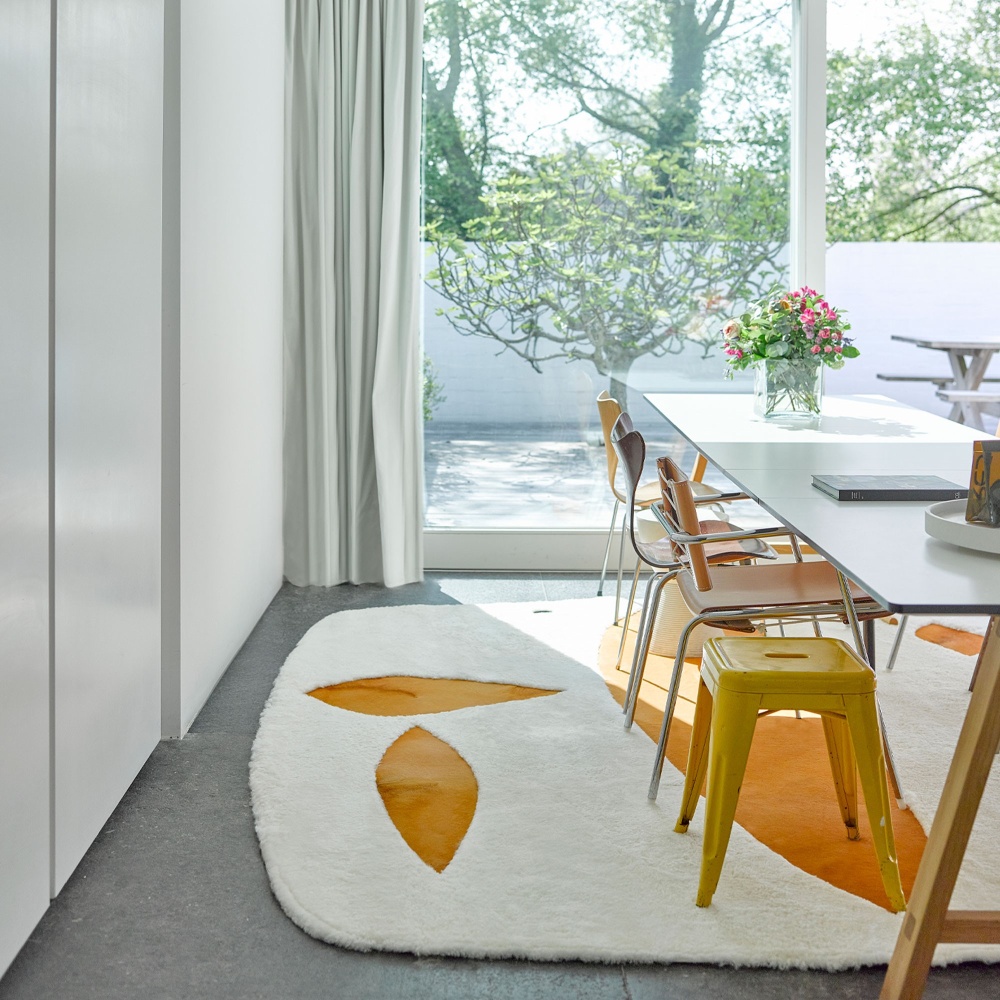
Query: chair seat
x=703 y=491
x=775 y=585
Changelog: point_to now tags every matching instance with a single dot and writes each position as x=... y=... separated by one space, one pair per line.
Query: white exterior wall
x=885 y=287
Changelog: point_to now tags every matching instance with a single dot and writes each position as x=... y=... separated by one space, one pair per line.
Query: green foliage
x=595 y=258
x=433 y=393
x=914 y=125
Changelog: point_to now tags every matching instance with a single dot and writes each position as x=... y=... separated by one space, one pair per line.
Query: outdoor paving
x=551 y=476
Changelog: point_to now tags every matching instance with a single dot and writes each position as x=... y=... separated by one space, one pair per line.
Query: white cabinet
x=24 y=479
x=107 y=422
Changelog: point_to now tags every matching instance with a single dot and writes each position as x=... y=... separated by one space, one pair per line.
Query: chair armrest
x=683 y=538
x=719 y=498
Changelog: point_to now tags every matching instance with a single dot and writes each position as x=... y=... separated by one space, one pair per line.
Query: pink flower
x=815 y=349
x=731 y=328
x=831 y=315
x=838 y=349
x=739 y=353
x=821 y=305
x=828 y=349
x=824 y=334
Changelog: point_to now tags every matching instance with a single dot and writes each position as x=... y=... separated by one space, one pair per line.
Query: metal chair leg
x=607 y=548
x=900 y=629
x=638 y=637
x=668 y=711
x=852 y=618
x=642 y=642
x=621 y=563
x=628 y=614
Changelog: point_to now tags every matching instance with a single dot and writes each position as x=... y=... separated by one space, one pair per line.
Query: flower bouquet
x=789 y=338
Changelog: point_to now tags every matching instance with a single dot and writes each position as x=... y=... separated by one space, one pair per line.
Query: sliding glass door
x=604 y=185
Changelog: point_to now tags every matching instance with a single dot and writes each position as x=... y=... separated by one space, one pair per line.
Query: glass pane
x=913 y=215
x=604 y=185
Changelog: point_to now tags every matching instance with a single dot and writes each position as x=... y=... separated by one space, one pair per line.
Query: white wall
x=24 y=470
x=913 y=289
x=231 y=80
x=108 y=142
x=885 y=288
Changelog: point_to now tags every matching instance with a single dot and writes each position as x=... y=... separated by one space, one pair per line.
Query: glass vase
x=789 y=390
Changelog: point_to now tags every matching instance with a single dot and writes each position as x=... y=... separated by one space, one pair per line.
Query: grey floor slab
x=172 y=900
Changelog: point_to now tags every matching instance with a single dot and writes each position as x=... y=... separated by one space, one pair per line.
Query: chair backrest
x=680 y=511
x=610 y=410
x=630 y=452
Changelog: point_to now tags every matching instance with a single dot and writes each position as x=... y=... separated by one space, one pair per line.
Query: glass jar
x=790 y=390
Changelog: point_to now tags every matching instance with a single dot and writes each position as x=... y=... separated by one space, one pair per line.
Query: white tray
x=946 y=521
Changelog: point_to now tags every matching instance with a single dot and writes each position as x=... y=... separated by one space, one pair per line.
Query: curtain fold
x=353 y=416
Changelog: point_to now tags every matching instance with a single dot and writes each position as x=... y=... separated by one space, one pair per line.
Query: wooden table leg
x=926 y=913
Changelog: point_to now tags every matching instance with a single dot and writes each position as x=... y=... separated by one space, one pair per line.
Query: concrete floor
x=172 y=900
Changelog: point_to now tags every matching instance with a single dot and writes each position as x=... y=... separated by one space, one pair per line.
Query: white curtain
x=353 y=416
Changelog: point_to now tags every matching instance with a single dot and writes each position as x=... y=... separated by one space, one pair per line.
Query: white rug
x=565 y=857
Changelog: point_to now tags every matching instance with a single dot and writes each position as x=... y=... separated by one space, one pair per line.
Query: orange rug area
x=787 y=800
x=952 y=638
x=427 y=787
x=430 y=794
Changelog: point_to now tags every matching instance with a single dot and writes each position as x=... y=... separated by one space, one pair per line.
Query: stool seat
x=742 y=677
x=795 y=667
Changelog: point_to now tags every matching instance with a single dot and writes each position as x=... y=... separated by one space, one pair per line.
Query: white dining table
x=884 y=548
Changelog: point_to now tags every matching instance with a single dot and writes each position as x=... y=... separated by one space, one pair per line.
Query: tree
x=914 y=125
x=592 y=258
x=560 y=47
x=590 y=255
x=456 y=153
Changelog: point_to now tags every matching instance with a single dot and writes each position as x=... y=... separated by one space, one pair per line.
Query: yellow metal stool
x=744 y=677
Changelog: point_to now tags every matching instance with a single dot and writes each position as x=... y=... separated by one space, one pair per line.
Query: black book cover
x=889 y=488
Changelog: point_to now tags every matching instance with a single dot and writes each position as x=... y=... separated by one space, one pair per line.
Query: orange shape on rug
x=401 y=695
x=952 y=638
x=430 y=794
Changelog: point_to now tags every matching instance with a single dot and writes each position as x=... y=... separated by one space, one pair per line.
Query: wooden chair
x=667 y=559
x=646 y=494
x=729 y=597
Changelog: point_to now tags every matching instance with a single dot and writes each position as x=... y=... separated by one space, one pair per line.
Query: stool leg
x=694 y=776
x=867 y=739
x=838 y=745
x=733 y=721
